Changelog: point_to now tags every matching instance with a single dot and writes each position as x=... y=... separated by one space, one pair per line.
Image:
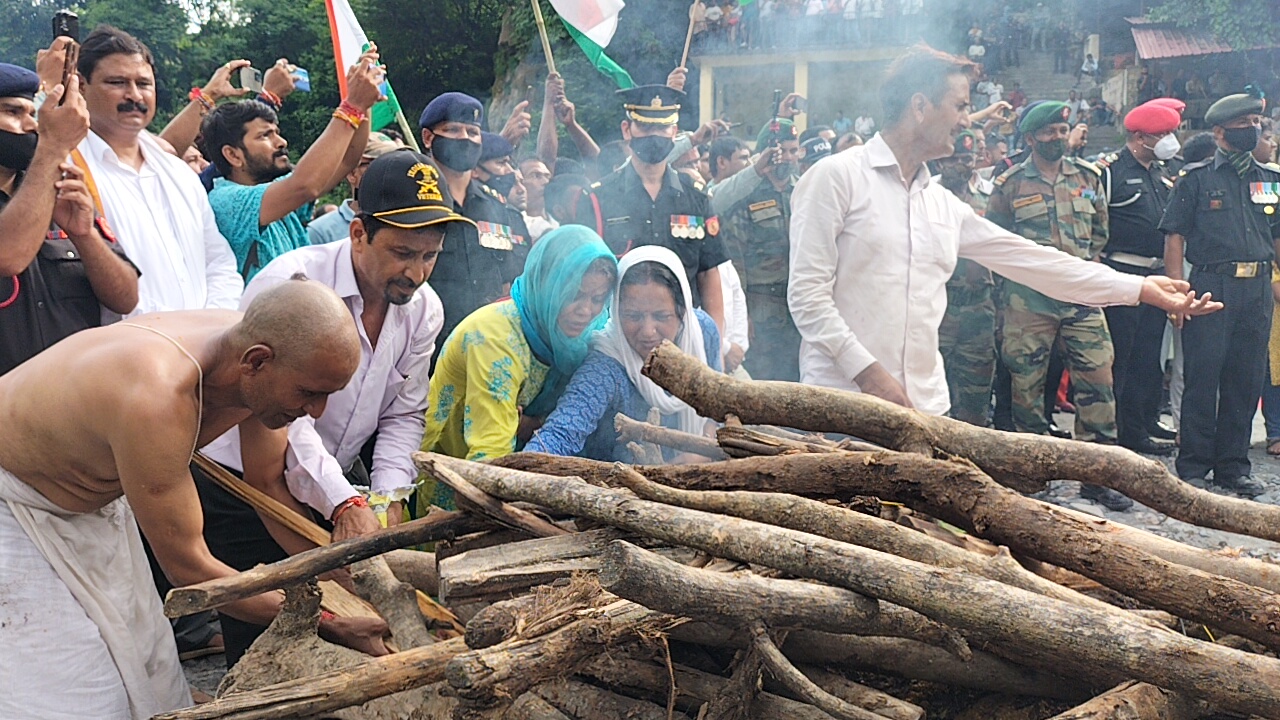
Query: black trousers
x=1225 y=361
x=1137 y=333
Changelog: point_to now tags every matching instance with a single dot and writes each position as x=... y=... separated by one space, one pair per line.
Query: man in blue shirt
x=262 y=202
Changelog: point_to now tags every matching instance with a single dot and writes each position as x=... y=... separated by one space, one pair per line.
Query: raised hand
x=364 y=81
x=73 y=209
x=219 y=86
x=278 y=81
x=63 y=126
x=518 y=125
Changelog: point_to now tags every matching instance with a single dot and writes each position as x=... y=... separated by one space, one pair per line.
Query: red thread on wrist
x=271 y=98
x=326 y=616
x=197 y=95
x=357 y=501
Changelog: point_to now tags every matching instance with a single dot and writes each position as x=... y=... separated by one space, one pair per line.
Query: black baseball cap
x=403 y=189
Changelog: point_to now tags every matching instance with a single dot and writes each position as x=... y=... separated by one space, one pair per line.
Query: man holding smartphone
x=54 y=279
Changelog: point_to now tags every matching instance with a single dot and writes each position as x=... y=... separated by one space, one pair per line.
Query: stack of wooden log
x=901 y=575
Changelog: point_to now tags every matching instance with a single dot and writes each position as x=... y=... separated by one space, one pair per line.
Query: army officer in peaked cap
x=646 y=202
x=1222 y=216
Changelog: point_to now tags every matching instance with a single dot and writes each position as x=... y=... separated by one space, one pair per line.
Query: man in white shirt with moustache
x=156 y=205
x=873 y=242
x=380 y=272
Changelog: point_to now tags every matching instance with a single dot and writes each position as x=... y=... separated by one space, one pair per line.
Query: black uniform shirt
x=45 y=303
x=680 y=219
x=1138 y=198
x=478 y=262
x=1224 y=218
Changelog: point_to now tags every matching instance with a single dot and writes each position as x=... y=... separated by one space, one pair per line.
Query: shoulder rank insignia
x=1088 y=166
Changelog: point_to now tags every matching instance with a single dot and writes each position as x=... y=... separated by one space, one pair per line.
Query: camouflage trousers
x=775 y=341
x=1032 y=323
x=967 y=340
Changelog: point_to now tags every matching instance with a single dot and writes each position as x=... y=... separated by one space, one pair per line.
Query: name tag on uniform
x=1215 y=199
x=1133 y=181
x=617 y=220
x=688 y=227
x=1028 y=201
x=494 y=236
x=765 y=210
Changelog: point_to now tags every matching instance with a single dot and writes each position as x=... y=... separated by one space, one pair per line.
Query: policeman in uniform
x=646 y=202
x=967 y=335
x=756 y=226
x=56 y=280
x=1136 y=184
x=480 y=259
x=1223 y=215
x=1056 y=201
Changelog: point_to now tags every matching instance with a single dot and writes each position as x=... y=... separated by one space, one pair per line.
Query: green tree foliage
x=1243 y=24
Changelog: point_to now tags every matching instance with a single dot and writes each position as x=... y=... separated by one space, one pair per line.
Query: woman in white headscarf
x=652 y=304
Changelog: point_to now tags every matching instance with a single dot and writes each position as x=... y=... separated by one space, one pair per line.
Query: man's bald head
x=299 y=345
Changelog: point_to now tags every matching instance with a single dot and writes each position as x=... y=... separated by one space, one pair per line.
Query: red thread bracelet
x=14 y=297
x=356 y=501
x=326 y=616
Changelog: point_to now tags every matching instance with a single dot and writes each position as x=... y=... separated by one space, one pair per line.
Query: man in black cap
x=813 y=150
x=498 y=175
x=479 y=261
x=381 y=273
x=55 y=279
x=1223 y=214
x=648 y=203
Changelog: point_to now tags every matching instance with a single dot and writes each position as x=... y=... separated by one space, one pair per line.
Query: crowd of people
x=162 y=293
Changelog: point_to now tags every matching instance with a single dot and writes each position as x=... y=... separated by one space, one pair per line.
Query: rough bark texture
x=959 y=493
x=588 y=701
x=1136 y=701
x=300 y=567
x=999 y=613
x=500 y=512
x=531 y=707
x=290 y=672
x=517 y=566
x=415 y=567
x=799 y=685
x=882 y=704
x=1010 y=458
x=669 y=587
x=396 y=601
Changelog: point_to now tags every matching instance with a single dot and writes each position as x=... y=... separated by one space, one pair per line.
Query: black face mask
x=457 y=155
x=652 y=149
x=782 y=171
x=17 y=149
x=1243 y=139
x=1051 y=150
x=503 y=184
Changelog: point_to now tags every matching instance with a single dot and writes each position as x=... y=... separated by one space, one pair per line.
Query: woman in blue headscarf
x=512 y=358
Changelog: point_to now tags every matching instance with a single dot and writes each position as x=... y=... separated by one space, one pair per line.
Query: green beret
x=786 y=131
x=966 y=142
x=1233 y=106
x=1046 y=113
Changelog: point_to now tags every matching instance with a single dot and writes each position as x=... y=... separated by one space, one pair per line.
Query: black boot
x=1106 y=497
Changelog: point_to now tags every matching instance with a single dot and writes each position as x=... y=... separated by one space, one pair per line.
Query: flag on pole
x=349 y=42
x=591 y=24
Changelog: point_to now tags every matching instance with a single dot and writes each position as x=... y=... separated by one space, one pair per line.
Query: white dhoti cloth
x=82 y=630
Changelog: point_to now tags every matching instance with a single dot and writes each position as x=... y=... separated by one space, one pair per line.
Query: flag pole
x=409 y=135
x=542 y=33
x=688 y=38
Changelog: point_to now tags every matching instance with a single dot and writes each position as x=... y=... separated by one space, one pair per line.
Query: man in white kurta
x=874 y=240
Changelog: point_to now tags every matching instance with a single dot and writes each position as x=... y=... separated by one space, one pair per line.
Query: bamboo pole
x=542 y=33
x=688 y=37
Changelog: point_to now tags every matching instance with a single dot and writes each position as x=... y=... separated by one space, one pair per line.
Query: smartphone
x=251 y=79
x=302 y=79
x=801 y=105
x=66 y=24
x=69 y=66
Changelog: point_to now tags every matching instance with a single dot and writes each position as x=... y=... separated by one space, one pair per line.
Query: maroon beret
x=1152 y=119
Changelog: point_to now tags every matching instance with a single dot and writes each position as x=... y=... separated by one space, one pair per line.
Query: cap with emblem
x=375 y=149
x=452 y=107
x=18 y=81
x=1233 y=106
x=815 y=148
x=1046 y=113
x=1177 y=105
x=966 y=141
x=493 y=145
x=1152 y=119
x=777 y=129
x=652 y=104
x=403 y=189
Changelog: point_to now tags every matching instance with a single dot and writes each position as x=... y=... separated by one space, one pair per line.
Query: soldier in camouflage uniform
x=1055 y=201
x=755 y=221
x=967 y=335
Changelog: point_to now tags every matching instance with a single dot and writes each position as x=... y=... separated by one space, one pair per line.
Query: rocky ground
x=205 y=673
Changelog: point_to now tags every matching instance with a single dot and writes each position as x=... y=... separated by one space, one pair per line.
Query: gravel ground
x=205 y=673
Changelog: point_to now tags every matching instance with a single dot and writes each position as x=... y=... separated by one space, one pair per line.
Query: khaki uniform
x=756 y=233
x=1069 y=213
x=967 y=335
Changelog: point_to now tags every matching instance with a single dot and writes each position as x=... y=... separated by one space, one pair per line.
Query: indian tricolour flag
x=591 y=24
x=349 y=42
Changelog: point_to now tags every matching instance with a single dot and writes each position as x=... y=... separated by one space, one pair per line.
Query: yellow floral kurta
x=485 y=374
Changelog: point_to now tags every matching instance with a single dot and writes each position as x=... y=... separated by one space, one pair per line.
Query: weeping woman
x=652 y=304
x=505 y=365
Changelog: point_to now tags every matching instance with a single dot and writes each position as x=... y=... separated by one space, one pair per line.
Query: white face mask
x=1166 y=147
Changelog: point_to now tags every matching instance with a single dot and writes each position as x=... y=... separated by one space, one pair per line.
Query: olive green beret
x=1046 y=113
x=786 y=130
x=1233 y=106
x=966 y=142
